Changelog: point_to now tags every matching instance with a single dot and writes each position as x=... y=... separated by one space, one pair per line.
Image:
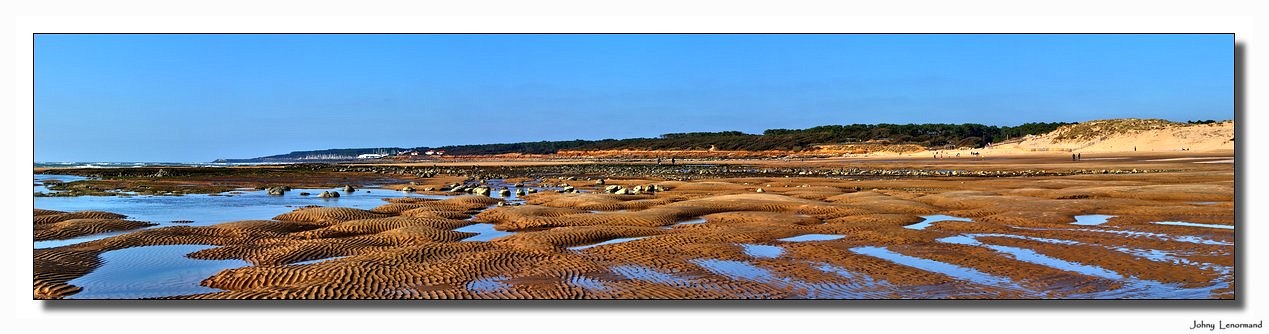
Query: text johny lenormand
x=1200 y=324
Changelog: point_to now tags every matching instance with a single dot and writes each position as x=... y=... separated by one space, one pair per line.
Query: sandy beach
x=1002 y=225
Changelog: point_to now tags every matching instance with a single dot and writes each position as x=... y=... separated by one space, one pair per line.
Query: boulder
x=329 y=194
x=349 y=189
x=276 y=191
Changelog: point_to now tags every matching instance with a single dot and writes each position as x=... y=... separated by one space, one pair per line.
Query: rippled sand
x=810 y=237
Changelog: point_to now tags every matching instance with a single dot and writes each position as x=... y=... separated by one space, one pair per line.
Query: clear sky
x=201 y=97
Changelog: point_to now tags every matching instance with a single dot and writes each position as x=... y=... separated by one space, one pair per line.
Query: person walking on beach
x=1079 y=156
x=1072 y=156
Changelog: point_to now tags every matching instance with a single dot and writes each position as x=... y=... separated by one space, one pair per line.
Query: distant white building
x=372 y=156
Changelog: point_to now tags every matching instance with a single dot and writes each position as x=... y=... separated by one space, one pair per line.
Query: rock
x=761 y=191
x=532 y=191
x=569 y=189
x=520 y=192
x=622 y=191
x=612 y=189
x=305 y=194
x=599 y=182
x=349 y=189
x=276 y=191
x=504 y=193
x=329 y=194
x=483 y=191
x=160 y=173
x=408 y=189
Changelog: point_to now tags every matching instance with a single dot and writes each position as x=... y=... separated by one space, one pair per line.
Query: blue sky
x=202 y=97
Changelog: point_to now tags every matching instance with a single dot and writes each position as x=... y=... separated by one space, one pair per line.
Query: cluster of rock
x=277 y=191
x=636 y=190
x=281 y=190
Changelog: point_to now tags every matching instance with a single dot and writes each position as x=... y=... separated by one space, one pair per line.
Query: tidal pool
x=813 y=237
x=204 y=209
x=609 y=242
x=735 y=269
x=488 y=284
x=151 y=271
x=484 y=232
x=762 y=251
x=1091 y=220
x=1227 y=227
x=955 y=271
x=931 y=219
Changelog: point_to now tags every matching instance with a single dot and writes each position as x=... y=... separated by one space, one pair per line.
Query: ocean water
x=121 y=164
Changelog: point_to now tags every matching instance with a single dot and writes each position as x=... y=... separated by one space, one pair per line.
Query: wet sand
x=819 y=234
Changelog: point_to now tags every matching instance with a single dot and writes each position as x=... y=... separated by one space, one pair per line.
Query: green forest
x=928 y=135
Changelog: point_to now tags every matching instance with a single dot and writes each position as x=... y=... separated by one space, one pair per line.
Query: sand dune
x=1129 y=135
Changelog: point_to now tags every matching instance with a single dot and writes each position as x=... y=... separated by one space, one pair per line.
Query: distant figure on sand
x=1079 y=156
x=658 y=160
x=1072 y=156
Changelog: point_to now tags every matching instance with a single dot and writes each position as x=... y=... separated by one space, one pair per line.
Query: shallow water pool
x=1091 y=220
x=484 y=232
x=955 y=271
x=1227 y=227
x=762 y=251
x=151 y=271
x=609 y=242
x=813 y=237
x=204 y=209
x=931 y=219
